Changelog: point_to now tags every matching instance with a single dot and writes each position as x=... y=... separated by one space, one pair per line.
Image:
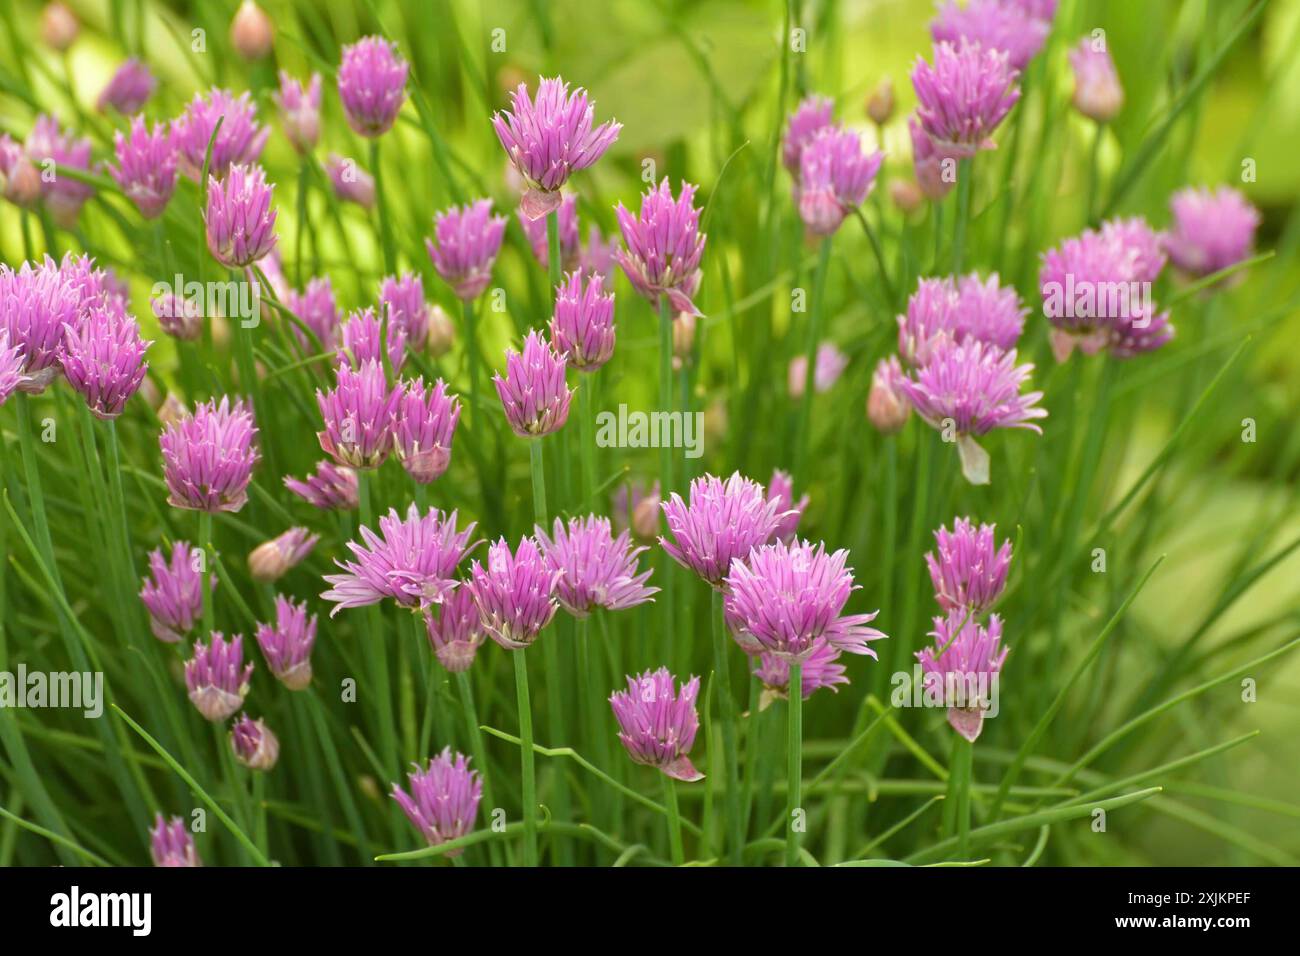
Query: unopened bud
x=271 y=559
x=887 y=406
x=880 y=104
x=441 y=331
x=906 y=195
x=254 y=744
x=251 y=32
x=59 y=26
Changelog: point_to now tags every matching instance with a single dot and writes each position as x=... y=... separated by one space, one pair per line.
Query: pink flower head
x=11 y=366
x=217 y=678
x=330 y=487
x=315 y=308
x=1212 y=229
x=468 y=239
x=970 y=309
x=401 y=301
x=550 y=137
x=597 y=257
x=835 y=176
x=288 y=645
x=830 y=365
x=724 y=520
x=970 y=570
x=358 y=414
x=663 y=246
x=64 y=195
x=596 y=569
x=239 y=221
x=253 y=743
x=299 y=110
x=935 y=172
x=1098 y=94
x=351 y=183
x=657 y=725
x=887 y=406
x=36 y=304
x=208 y=457
x=788 y=596
x=362 y=333
x=170 y=843
x=239 y=141
x=533 y=391
x=146 y=167
x=411 y=561
x=582 y=326
x=455 y=630
x=994 y=25
x=444 y=798
x=964 y=675
x=809 y=118
x=174 y=596
x=177 y=316
x=103 y=357
x=128 y=89
x=515 y=593
x=372 y=85
x=567 y=220
x=272 y=559
x=963 y=97
x=971 y=389
x=821 y=668
x=424 y=424
x=781 y=491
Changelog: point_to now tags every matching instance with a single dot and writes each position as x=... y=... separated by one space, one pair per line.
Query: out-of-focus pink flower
x=146 y=167
x=299 y=110
x=1212 y=229
x=351 y=183
x=239 y=141
x=372 y=85
x=830 y=365
x=128 y=88
x=465 y=245
x=1097 y=91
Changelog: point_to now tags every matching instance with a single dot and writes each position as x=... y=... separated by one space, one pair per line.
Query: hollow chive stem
x=794 y=765
x=727 y=717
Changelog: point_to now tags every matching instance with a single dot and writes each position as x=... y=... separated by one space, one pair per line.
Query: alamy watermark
x=967 y=691
x=1085 y=299
x=76 y=690
x=232 y=299
x=636 y=429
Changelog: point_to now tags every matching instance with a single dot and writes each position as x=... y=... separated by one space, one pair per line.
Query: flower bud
x=441 y=332
x=906 y=195
x=59 y=26
x=254 y=744
x=887 y=407
x=880 y=104
x=271 y=559
x=251 y=32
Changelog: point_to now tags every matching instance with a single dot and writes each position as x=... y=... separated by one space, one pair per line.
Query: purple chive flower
x=533 y=391
x=423 y=427
x=288 y=645
x=1212 y=230
x=372 y=85
x=1098 y=94
x=11 y=366
x=329 y=488
x=596 y=570
x=178 y=316
x=658 y=725
x=351 y=183
x=361 y=335
x=36 y=303
x=455 y=631
x=103 y=357
x=401 y=300
x=239 y=220
x=935 y=173
x=887 y=406
x=253 y=743
x=809 y=118
x=965 y=675
x=582 y=326
x=636 y=508
x=994 y=25
x=217 y=677
x=535 y=232
x=781 y=490
x=20 y=183
x=270 y=560
x=830 y=365
x=411 y=561
x=174 y=596
x=549 y=138
x=358 y=414
x=597 y=257
x=208 y=457
x=444 y=798
x=128 y=89
x=663 y=246
x=724 y=520
x=64 y=196
x=970 y=570
x=468 y=239
x=316 y=309
x=968 y=390
x=970 y=309
x=239 y=141
x=515 y=593
x=299 y=110
x=170 y=843
x=835 y=176
x=788 y=596
x=821 y=668
x=963 y=97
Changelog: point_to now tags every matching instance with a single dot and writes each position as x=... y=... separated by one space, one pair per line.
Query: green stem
x=466 y=688
x=527 y=764
x=802 y=439
x=554 y=265
x=587 y=440
x=471 y=355
x=205 y=540
x=381 y=208
x=538 y=468
x=727 y=717
x=1094 y=169
x=666 y=464
x=794 y=765
x=959 y=785
x=964 y=169
x=373 y=646
x=674 y=820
